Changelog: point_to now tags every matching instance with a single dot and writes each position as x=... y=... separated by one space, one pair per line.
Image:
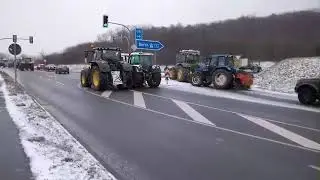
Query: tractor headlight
x=155 y=66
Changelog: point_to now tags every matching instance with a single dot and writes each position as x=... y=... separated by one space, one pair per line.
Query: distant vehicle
x=40 y=67
x=50 y=67
x=25 y=64
x=220 y=70
x=308 y=90
x=186 y=60
x=2 y=63
x=62 y=69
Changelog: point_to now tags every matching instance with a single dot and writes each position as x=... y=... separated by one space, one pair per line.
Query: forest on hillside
x=271 y=38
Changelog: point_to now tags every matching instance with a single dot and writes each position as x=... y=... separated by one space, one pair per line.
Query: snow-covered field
x=76 y=67
x=283 y=76
x=53 y=152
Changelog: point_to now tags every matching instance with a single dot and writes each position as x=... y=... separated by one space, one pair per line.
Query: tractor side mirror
x=86 y=57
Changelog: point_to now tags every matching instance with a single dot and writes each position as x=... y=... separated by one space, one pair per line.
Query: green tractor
x=186 y=62
x=25 y=64
x=144 y=70
x=104 y=63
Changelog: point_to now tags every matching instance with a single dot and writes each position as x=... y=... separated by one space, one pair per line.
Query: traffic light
x=14 y=38
x=105 y=21
x=31 y=39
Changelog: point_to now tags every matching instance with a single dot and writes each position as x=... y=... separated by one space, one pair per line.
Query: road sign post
x=138 y=33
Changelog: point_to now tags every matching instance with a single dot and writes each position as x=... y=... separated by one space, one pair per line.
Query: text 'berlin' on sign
x=149 y=45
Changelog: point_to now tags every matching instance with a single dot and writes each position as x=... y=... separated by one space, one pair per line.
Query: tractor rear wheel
x=127 y=75
x=222 y=79
x=84 y=78
x=99 y=79
x=196 y=79
x=173 y=73
x=155 y=80
x=182 y=74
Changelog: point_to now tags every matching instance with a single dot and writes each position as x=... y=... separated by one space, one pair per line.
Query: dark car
x=62 y=69
x=50 y=67
x=308 y=90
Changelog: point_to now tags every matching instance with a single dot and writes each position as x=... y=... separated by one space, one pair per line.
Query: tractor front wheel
x=222 y=79
x=155 y=80
x=196 y=79
x=99 y=79
x=84 y=78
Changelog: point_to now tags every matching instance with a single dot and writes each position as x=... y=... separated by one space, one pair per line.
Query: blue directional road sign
x=139 y=33
x=149 y=45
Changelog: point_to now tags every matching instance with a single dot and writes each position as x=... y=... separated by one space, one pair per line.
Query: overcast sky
x=56 y=24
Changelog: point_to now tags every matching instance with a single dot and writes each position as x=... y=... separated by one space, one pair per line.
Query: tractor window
x=146 y=60
x=221 y=61
x=213 y=61
x=135 y=60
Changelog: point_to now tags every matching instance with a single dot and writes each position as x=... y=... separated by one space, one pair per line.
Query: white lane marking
x=204 y=124
x=138 y=99
x=245 y=98
x=106 y=94
x=195 y=115
x=57 y=82
x=294 y=125
x=315 y=167
x=283 y=132
x=223 y=110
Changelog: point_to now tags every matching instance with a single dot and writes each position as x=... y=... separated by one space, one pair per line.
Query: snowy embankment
x=283 y=76
x=77 y=67
x=53 y=152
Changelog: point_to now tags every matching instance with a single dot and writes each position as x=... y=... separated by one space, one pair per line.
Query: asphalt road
x=168 y=134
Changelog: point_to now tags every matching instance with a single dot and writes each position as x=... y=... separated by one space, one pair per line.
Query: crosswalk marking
x=138 y=99
x=283 y=132
x=106 y=94
x=195 y=115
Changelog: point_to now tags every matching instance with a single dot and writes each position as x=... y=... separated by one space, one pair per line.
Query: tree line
x=271 y=38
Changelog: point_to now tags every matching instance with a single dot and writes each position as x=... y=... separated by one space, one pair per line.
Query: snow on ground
x=77 y=67
x=187 y=87
x=265 y=64
x=53 y=152
x=283 y=76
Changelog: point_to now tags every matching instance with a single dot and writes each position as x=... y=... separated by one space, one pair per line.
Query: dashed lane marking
x=283 y=132
x=138 y=99
x=57 y=82
x=106 y=94
x=195 y=115
x=223 y=110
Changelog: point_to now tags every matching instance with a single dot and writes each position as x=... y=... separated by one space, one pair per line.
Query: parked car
x=50 y=67
x=61 y=69
x=308 y=90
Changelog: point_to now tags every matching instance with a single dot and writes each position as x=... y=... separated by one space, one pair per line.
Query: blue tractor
x=220 y=70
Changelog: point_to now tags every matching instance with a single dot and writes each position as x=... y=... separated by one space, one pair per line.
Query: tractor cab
x=143 y=59
x=188 y=57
